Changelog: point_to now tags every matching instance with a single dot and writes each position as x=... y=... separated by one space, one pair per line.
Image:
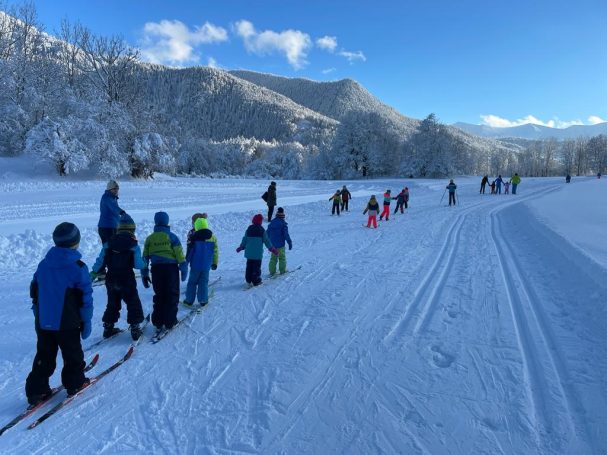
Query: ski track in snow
x=436 y=333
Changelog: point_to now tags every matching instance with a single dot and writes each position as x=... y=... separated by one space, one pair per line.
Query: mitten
x=274 y=251
x=239 y=249
x=214 y=267
x=290 y=245
x=93 y=276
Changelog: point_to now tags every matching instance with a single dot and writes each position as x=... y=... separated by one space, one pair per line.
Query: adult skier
x=451 y=187
x=484 y=182
x=515 y=180
x=386 y=211
x=270 y=198
x=498 y=184
x=109 y=216
x=345 y=197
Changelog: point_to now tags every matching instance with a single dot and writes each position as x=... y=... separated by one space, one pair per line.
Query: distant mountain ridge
x=532 y=131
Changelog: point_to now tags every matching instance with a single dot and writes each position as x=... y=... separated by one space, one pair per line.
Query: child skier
x=163 y=250
x=202 y=255
x=253 y=241
x=386 y=211
x=373 y=209
x=451 y=187
x=336 y=198
x=62 y=302
x=406 y=191
x=192 y=231
x=278 y=231
x=400 y=201
x=345 y=197
x=119 y=256
x=493 y=187
x=506 y=187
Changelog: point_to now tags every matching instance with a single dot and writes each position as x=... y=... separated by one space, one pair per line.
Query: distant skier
x=515 y=180
x=203 y=256
x=386 y=210
x=406 y=197
x=506 y=187
x=345 y=197
x=401 y=200
x=109 y=211
x=598 y=176
x=336 y=198
x=164 y=252
x=568 y=179
x=493 y=187
x=484 y=182
x=278 y=231
x=62 y=302
x=451 y=187
x=253 y=241
x=498 y=184
x=120 y=254
x=270 y=198
x=373 y=209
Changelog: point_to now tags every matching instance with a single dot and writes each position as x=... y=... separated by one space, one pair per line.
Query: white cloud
x=353 y=56
x=172 y=42
x=294 y=44
x=327 y=43
x=500 y=122
x=594 y=119
x=212 y=63
x=329 y=70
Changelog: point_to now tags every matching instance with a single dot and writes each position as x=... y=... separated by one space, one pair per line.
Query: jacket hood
x=59 y=257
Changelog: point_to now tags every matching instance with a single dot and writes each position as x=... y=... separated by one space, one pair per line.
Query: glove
x=146 y=281
x=213 y=266
x=290 y=246
x=239 y=249
x=274 y=251
x=184 y=274
x=85 y=330
x=93 y=276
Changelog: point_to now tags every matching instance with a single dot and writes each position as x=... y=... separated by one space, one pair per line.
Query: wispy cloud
x=173 y=43
x=353 y=56
x=329 y=70
x=293 y=44
x=327 y=43
x=212 y=63
x=496 y=121
x=594 y=119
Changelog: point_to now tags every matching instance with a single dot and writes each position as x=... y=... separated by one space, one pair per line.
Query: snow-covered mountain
x=532 y=131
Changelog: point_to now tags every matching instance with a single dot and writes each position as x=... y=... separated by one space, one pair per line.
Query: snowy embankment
x=473 y=329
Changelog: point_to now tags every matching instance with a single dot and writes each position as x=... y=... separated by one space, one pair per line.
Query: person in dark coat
x=271 y=200
x=110 y=212
x=451 y=187
x=62 y=302
x=484 y=182
x=121 y=254
x=401 y=201
x=345 y=197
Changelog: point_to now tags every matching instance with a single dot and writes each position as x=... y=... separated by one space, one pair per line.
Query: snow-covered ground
x=475 y=329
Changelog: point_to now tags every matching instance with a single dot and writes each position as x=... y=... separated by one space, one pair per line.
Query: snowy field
x=478 y=329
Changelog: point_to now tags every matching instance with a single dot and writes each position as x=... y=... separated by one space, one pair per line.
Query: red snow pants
x=386 y=212
x=372 y=219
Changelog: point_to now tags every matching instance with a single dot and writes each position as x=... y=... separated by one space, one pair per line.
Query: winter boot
x=71 y=392
x=187 y=304
x=34 y=400
x=109 y=330
x=136 y=331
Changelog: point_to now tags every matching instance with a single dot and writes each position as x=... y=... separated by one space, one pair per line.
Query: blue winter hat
x=66 y=235
x=161 y=219
x=126 y=223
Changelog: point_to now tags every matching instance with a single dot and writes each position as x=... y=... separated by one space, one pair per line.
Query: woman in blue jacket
x=109 y=216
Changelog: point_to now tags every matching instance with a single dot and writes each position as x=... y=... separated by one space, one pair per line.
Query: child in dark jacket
x=336 y=198
x=62 y=302
x=400 y=201
x=203 y=255
x=120 y=255
x=373 y=209
x=278 y=231
x=163 y=250
x=253 y=241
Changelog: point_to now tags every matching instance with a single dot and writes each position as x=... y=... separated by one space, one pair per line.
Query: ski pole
x=443 y=196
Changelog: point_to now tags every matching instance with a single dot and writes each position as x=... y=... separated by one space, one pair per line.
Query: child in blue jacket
x=202 y=255
x=278 y=231
x=62 y=302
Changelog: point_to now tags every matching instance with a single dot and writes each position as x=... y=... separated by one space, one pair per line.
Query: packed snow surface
x=475 y=329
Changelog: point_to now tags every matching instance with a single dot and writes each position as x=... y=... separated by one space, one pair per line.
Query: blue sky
x=494 y=62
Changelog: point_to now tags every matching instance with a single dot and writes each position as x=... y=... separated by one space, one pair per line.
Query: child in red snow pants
x=385 y=212
x=372 y=219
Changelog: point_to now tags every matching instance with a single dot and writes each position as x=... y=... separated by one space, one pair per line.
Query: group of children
x=372 y=208
x=496 y=185
x=62 y=293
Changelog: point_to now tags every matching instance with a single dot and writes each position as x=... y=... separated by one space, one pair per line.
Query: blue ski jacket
x=278 y=231
x=109 y=211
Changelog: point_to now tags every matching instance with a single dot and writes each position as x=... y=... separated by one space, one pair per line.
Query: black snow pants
x=105 y=234
x=253 y=272
x=344 y=205
x=399 y=205
x=45 y=362
x=122 y=287
x=165 y=281
x=451 y=198
x=335 y=207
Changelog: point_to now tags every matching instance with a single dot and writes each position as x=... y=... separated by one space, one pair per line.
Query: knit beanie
x=111 y=185
x=66 y=235
x=201 y=223
x=126 y=223
x=161 y=219
x=258 y=219
x=280 y=213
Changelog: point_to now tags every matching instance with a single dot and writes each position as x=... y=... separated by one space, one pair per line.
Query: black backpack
x=264 y=196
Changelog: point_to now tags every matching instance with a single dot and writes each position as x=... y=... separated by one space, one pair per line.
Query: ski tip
x=129 y=352
x=95 y=359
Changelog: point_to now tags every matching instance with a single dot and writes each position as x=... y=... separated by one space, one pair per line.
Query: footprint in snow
x=441 y=359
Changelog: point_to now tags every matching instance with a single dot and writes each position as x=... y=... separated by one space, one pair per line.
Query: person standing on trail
x=373 y=209
x=506 y=187
x=515 y=180
x=386 y=210
x=451 y=187
x=484 y=182
x=345 y=197
x=336 y=198
x=270 y=198
x=203 y=256
x=493 y=187
x=109 y=211
x=252 y=243
x=192 y=231
x=567 y=178
x=62 y=302
x=498 y=184
x=278 y=231
x=400 y=201
x=120 y=255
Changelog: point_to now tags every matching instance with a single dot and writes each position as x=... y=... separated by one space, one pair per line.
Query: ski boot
x=136 y=331
x=109 y=330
